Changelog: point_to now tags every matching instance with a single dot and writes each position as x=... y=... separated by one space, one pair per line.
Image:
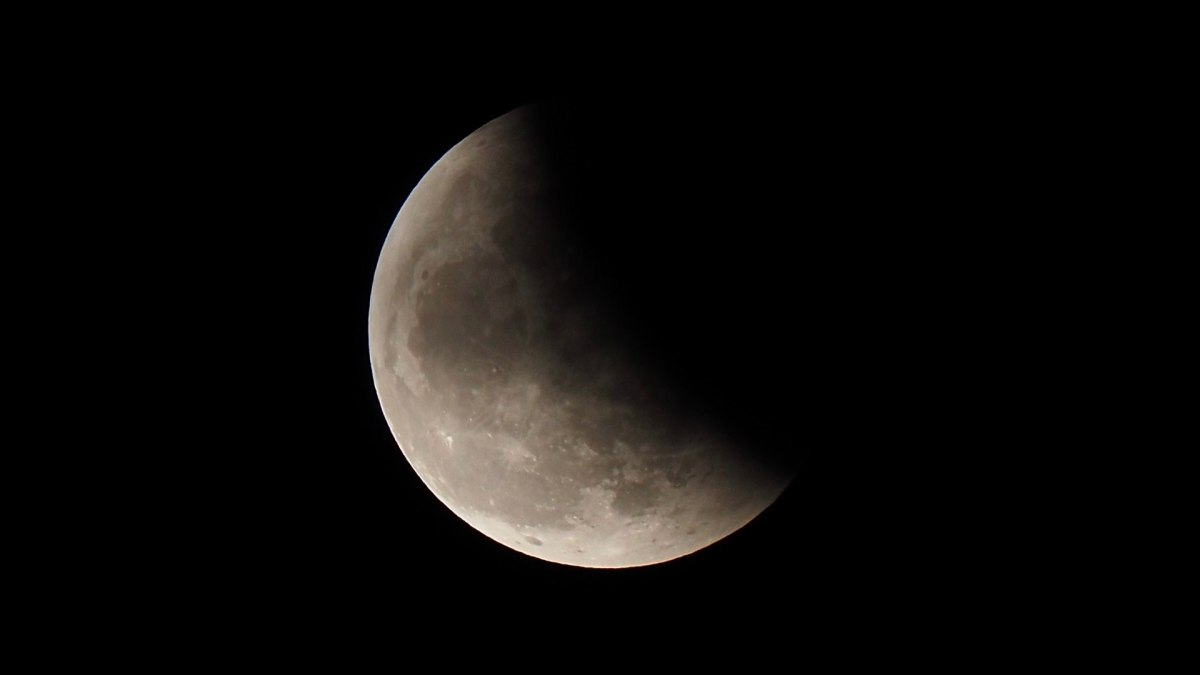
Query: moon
x=518 y=390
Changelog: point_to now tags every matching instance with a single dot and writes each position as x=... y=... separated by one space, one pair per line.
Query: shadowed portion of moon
x=522 y=387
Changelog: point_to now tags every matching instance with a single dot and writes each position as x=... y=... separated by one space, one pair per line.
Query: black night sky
x=799 y=200
x=853 y=243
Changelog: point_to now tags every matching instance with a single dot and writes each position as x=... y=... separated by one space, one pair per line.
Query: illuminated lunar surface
x=516 y=397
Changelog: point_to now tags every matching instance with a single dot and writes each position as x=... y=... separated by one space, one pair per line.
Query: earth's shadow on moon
x=586 y=333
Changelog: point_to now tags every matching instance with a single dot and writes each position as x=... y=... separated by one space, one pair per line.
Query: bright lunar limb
x=514 y=394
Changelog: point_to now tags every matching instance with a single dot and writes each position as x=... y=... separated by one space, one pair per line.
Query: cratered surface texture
x=520 y=392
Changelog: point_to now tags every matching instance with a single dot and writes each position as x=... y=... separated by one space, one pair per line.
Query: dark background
x=798 y=229
x=878 y=214
x=775 y=304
